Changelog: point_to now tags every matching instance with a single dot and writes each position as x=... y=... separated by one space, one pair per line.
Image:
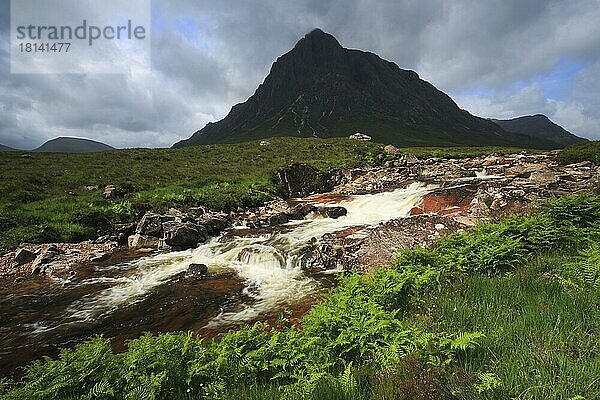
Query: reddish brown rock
x=349 y=231
x=446 y=201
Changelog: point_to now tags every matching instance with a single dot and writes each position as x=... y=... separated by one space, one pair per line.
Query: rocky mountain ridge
x=540 y=126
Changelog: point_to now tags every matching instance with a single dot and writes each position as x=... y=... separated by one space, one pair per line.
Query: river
x=252 y=275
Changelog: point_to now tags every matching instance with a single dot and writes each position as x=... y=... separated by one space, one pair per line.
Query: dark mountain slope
x=73 y=145
x=540 y=127
x=5 y=148
x=321 y=89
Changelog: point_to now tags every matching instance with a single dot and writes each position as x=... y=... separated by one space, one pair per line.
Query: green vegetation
x=43 y=196
x=505 y=310
x=541 y=336
x=584 y=151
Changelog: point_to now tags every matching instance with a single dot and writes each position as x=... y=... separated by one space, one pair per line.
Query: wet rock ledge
x=56 y=259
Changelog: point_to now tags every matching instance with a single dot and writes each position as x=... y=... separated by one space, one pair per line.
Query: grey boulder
x=23 y=256
x=183 y=235
x=45 y=257
x=333 y=212
x=139 y=241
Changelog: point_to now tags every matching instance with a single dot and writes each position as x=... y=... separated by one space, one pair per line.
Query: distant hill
x=321 y=89
x=541 y=127
x=5 y=148
x=73 y=145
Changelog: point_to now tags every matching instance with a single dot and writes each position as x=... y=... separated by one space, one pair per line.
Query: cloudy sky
x=496 y=58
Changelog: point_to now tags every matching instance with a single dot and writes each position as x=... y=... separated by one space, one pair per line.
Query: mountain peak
x=72 y=145
x=541 y=127
x=540 y=117
x=321 y=89
x=318 y=40
x=319 y=34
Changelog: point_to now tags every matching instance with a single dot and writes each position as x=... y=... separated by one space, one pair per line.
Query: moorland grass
x=584 y=151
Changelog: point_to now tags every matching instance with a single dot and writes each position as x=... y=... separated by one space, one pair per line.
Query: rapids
x=250 y=275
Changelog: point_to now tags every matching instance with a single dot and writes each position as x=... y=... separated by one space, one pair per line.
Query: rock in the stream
x=446 y=201
x=192 y=271
x=543 y=178
x=139 y=241
x=279 y=219
x=297 y=212
x=54 y=259
x=492 y=160
x=99 y=257
x=23 y=256
x=300 y=211
x=45 y=257
x=183 y=235
x=333 y=212
x=410 y=159
x=197 y=269
x=214 y=223
x=123 y=231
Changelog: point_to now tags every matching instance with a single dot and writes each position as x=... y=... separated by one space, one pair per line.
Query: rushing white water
x=269 y=263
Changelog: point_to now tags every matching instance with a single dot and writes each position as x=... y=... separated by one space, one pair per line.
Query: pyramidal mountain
x=539 y=126
x=321 y=89
x=72 y=145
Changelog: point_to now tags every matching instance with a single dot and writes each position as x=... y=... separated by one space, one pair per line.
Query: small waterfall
x=268 y=262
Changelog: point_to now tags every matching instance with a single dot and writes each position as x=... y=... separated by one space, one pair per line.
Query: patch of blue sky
x=159 y=21
x=193 y=29
x=556 y=84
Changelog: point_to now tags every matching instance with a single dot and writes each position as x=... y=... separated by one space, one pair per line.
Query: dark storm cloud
x=209 y=55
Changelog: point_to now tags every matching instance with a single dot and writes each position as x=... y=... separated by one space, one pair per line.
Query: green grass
x=40 y=175
x=459 y=320
x=585 y=151
x=541 y=340
x=384 y=132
